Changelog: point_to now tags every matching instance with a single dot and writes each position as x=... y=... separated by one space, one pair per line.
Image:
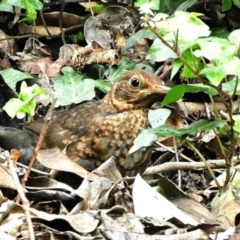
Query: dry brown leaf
x=55 y=159
x=225 y=209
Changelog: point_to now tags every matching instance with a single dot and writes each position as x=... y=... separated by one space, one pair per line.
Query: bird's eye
x=134 y=82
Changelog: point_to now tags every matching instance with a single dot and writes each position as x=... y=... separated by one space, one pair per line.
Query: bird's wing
x=69 y=125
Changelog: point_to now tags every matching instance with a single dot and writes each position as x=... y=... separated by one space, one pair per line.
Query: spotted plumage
x=95 y=131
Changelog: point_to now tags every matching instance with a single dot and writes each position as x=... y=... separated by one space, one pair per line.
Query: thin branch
x=21 y=194
x=205 y=162
x=39 y=144
x=175 y=166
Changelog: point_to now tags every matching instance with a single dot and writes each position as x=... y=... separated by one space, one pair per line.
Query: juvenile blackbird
x=93 y=132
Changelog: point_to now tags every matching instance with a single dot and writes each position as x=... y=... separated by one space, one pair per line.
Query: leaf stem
x=205 y=162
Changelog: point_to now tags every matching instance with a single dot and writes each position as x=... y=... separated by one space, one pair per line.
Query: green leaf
x=72 y=88
x=114 y=74
x=185 y=23
x=77 y=37
x=68 y=70
x=221 y=32
x=26 y=109
x=234 y=37
x=231 y=66
x=192 y=62
x=31 y=13
x=25 y=103
x=96 y=9
x=192 y=129
x=199 y=87
x=215 y=48
x=144 y=139
x=174 y=94
x=155 y=3
x=148 y=136
x=185 y=5
x=5 y=6
x=144 y=67
x=13 y=106
x=158 y=117
x=12 y=76
x=214 y=74
x=135 y=38
x=167 y=6
x=237 y=3
x=103 y=85
x=28 y=93
x=201 y=125
x=226 y=5
x=159 y=52
x=229 y=87
x=176 y=66
x=236 y=126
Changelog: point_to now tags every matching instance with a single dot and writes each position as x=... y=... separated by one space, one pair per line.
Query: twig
x=174 y=166
x=25 y=202
x=205 y=162
x=177 y=159
x=174 y=152
x=33 y=169
x=47 y=121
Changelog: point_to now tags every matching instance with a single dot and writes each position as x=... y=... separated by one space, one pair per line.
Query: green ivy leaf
x=236 y=126
x=143 y=33
x=201 y=125
x=145 y=138
x=13 y=106
x=148 y=136
x=31 y=12
x=184 y=23
x=214 y=74
x=174 y=94
x=103 y=85
x=72 y=88
x=77 y=37
x=113 y=74
x=226 y=5
x=20 y=3
x=185 y=5
x=234 y=37
x=155 y=4
x=5 y=6
x=25 y=103
x=28 y=93
x=96 y=9
x=215 y=48
x=158 y=117
x=199 y=87
x=176 y=66
x=229 y=87
x=237 y=3
x=192 y=62
x=159 y=52
x=12 y=76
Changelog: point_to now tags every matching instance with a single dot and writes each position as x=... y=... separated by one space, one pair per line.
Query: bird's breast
x=114 y=135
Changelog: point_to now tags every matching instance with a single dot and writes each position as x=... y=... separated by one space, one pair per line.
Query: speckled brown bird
x=93 y=132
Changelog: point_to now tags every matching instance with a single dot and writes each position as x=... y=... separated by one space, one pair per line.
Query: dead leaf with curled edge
x=112 y=26
x=55 y=159
x=6 y=179
x=87 y=55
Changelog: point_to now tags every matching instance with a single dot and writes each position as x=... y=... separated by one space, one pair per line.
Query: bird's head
x=136 y=89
